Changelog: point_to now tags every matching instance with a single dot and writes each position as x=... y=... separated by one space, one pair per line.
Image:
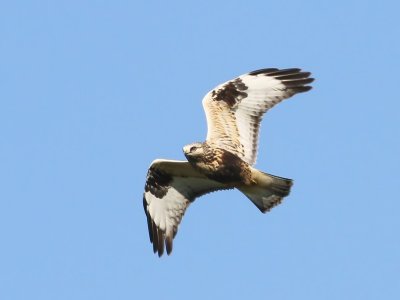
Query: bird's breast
x=223 y=166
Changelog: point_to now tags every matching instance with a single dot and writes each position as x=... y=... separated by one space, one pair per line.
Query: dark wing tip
x=149 y=226
x=160 y=241
x=160 y=244
x=155 y=237
x=297 y=82
x=168 y=244
x=298 y=85
x=274 y=71
x=294 y=78
x=158 y=238
x=263 y=71
x=301 y=89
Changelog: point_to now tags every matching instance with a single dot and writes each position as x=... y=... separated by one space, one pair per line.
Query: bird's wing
x=235 y=108
x=170 y=187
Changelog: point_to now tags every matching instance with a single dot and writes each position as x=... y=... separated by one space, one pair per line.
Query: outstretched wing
x=235 y=108
x=170 y=187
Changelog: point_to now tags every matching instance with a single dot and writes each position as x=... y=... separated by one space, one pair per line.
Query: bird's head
x=193 y=150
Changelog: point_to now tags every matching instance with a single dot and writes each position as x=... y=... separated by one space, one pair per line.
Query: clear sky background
x=92 y=91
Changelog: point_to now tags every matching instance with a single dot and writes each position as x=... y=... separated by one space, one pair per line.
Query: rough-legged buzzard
x=224 y=161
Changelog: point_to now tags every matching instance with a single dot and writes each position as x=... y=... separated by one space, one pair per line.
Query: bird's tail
x=267 y=191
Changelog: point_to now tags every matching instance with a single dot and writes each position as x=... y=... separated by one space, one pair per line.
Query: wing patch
x=231 y=93
x=157 y=182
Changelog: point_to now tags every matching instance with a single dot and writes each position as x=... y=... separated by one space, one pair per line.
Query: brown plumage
x=218 y=164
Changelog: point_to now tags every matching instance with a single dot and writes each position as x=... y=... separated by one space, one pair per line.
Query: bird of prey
x=225 y=160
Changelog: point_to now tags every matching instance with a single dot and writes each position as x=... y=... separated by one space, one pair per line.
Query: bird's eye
x=193 y=148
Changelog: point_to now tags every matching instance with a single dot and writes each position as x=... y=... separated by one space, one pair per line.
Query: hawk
x=225 y=160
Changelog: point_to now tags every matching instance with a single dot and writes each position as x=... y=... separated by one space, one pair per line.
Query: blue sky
x=93 y=91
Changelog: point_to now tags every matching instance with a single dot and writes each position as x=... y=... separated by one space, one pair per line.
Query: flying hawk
x=234 y=111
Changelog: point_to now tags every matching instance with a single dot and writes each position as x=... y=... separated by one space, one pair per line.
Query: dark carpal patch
x=157 y=182
x=231 y=93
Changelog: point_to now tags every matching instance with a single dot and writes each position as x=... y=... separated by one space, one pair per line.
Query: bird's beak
x=185 y=150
